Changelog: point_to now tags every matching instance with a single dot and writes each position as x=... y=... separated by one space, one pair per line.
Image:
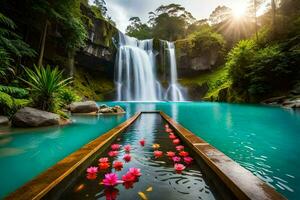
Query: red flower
x=91 y=176
x=172 y=136
x=179 y=168
x=128 y=177
x=135 y=172
x=170 y=154
x=176 y=141
x=179 y=148
x=188 y=160
x=104 y=166
x=176 y=159
x=111 y=193
x=127 y=157
x=115 y=147
x=183 y=154
x=142 y=142
x=102 y=160
x=118 y=165
x=168 y=130
x=113 y=153
x=157 y=154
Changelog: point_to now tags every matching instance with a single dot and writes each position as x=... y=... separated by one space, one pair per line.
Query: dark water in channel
x=156 y=173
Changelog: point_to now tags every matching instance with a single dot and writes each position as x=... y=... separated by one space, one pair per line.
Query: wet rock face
x=83 y=107
x=31 y=117
x=197 y=92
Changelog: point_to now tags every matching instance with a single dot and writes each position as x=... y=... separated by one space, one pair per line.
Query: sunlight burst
x=239 y=9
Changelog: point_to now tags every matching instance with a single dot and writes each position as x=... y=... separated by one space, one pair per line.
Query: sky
x=121 y=10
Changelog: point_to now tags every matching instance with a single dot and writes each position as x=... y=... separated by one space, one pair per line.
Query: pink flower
x=157 y=154
x=188 y=160
x=183 y=154
x=115 y=147
x=135 y=172
x=179 y=148
x=113 y=153
x=118 y=165
x=179 y=168
x=142 y=142
x=172 y=136
x=170 y=153
x=92 y=170
x=176 y=141
x=104 y=166
x=127 y=157
x=127 y=148
x=176 y=159
x=128 y=177
x=166 y=126
x=168 y=130
x=103 y=160
x=111 y=179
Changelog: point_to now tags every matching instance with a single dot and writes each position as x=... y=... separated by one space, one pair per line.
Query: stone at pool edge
x=31 y=117
x=104 y=109
x=4 y=120
x=83 y=107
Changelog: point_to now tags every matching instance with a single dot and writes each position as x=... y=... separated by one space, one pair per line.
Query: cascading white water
x=135 y=78
x=173 y=92
x=135 y=72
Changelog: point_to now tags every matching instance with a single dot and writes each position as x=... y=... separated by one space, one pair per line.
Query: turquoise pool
x=263 y=139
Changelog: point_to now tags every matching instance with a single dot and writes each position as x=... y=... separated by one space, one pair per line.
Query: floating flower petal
x=176 y=141
x=155 y=146
x=172 y=136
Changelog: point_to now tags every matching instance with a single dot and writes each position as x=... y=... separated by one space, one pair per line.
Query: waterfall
x=135 y=78
x=135 y=72
x=173 y=92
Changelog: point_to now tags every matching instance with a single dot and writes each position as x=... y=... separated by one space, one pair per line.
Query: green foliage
x=6 y=103
x=15 y=92
x=206 y=39
x=257 y=72
x=138 y=29
x=67 y=96
x=45 y=85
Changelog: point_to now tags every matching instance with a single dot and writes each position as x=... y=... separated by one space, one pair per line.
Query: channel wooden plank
x=238 y=179
x=39 y=186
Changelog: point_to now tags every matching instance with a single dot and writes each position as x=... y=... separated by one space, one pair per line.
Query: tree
x=11 y=46
x=101 y=4
x=138 y=29
x=170 y=22
x=220 y=14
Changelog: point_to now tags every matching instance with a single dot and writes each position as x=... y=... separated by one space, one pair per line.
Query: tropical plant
x=45 y=84
x=15 y=92
x=6 y=103
x=67 y=96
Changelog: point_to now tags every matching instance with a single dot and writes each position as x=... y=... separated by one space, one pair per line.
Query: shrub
x=67 y=96
x=6 y=104
x=15 y=92
x=45 y=85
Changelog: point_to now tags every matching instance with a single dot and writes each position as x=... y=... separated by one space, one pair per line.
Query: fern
x=15 y=92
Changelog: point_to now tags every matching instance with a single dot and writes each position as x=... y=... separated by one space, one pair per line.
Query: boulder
x=4 y=120
x=84 y=107
x=104 y=109
x=31 y=117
